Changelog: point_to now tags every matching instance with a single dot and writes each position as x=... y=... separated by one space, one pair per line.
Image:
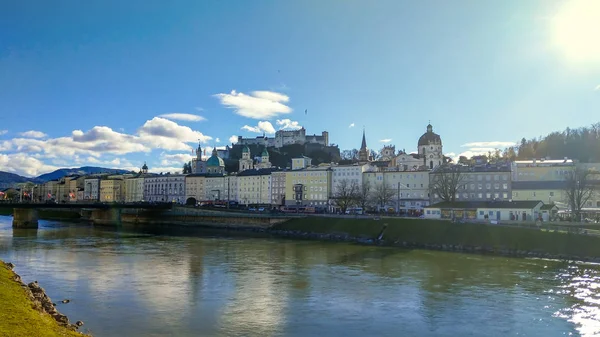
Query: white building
x=486 y=210
x=165 y=188
x=91 y=189
x=254 y=186
x=278 y=188
x=411 y=189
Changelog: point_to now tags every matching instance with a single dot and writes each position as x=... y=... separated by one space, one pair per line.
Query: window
x=505 y=186
x=488 y=195
x=480 y=212
x=479 y=186
x=496 y=177
x=480 y=195
x=496 y=186
x=488 y=178
x=491 y=212
x=488 y=186
x=428 y=212
x=551 y=194
x=505 y=195
x=534 y=194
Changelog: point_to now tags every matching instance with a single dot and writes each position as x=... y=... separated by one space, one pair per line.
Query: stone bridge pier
x=25 y=218
x=106 y=217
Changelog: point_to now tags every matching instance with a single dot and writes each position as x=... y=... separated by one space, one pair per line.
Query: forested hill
x=582 y=144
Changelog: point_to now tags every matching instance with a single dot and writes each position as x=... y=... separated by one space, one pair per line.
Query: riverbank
x=444 y=235
x=27 y=310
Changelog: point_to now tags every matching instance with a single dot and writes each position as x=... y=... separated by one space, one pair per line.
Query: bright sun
x=576 y=30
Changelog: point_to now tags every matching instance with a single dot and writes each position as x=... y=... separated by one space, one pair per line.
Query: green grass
x=18 y=318
x=424 y=231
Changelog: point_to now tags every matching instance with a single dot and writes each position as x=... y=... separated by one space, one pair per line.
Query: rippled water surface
x=155 y=282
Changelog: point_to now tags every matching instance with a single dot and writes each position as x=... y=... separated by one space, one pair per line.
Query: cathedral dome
x=215 y=160
x=265 y=153
x=245 y=149
x=430 y=137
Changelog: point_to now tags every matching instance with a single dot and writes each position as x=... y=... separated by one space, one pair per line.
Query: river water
x=156 y=282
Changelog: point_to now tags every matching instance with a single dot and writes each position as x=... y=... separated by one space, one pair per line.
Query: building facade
x=165 y=188
x=278 y=188
x=254 y=186
x=91 y=189
x=308 y=187
x=411 y=189
x=479 y=183
x=112 y=190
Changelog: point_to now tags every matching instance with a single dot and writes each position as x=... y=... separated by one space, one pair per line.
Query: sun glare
x=576 y=30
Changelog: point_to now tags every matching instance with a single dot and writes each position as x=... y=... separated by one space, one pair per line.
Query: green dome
x=246 y=149
x=214 y=160
x=265 y=153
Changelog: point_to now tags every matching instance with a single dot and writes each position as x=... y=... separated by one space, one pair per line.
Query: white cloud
x=351 y=125
x=233 y=139
x=93 y=146
x=595 y=89
x=257 y=105
x=175 y=159
x=263 y=126
x=183 y=117
x=165 y=134
x=165 y=169
x=3 y=132
x=387 y=140
x=288 y=124
x=33 y=134
x=21 y=163
x=218 y=140
x=494 y=144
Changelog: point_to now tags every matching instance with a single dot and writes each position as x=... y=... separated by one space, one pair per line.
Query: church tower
x=264 y=159
x=246 y=162
x=363 y=153
x=198 y=165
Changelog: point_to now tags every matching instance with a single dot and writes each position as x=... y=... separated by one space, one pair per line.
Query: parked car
x=252 y=209
x=261 y=209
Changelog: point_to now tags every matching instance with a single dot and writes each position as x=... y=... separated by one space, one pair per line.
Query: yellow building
x=308 y=187
x=112 y=190
x=541 y=170
x=254 y=186
x=194 y=186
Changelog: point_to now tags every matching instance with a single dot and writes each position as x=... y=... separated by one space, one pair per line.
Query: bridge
x=25 y=215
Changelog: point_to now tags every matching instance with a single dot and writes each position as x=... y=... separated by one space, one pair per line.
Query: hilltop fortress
x=286 y=137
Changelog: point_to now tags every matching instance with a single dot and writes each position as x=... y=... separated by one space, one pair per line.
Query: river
x=160 y=282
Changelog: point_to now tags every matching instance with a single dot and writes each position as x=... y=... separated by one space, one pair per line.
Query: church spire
x=363 y=145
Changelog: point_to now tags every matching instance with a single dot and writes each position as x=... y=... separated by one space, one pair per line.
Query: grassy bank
x=18 y=318
x=436 y=232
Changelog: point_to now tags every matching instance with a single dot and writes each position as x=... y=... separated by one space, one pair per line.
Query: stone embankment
x=41 y=302
x=339 y=237
x=447 y=236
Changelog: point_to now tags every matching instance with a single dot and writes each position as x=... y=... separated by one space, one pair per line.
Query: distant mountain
x=77 y=171
x=8 y=179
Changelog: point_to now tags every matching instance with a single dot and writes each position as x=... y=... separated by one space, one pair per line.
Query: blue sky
x=92 y=78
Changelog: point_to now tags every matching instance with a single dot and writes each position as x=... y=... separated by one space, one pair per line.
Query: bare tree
x=446 y=180
x=363 y=197
x=345 y=194
x=579 y=188
x=383 y=194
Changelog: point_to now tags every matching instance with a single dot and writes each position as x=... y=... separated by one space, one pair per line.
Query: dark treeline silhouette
x=581 y=144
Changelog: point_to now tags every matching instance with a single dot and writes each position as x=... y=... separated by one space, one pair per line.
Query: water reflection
x=144 y=282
